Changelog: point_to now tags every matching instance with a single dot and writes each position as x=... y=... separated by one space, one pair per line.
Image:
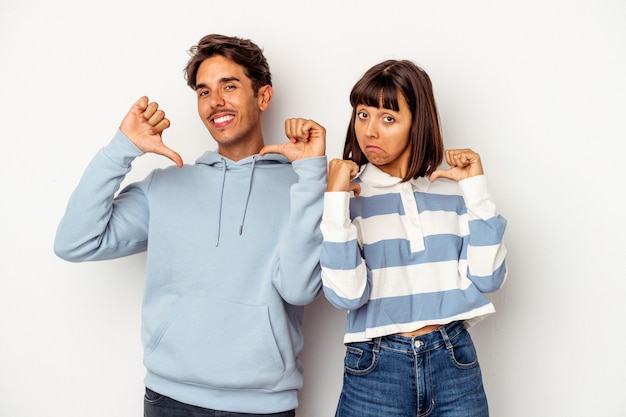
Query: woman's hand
x=464 y=163
x=341 y=172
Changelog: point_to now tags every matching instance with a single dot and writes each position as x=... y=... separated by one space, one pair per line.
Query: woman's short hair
x=379 y=87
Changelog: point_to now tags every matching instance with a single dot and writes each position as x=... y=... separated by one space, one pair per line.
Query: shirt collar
x=374 y=176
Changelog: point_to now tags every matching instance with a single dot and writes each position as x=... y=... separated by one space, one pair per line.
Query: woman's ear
x=265 y=96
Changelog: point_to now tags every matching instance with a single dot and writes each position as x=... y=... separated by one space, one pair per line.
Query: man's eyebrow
x=222 y=81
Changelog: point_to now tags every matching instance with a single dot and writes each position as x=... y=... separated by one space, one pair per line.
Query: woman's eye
x=389 y=119
x=361 y=115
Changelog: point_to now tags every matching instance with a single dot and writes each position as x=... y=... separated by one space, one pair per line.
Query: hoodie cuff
x=311 y=170
x=121 y=150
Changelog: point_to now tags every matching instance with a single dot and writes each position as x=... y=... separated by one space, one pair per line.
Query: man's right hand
x=144 y=125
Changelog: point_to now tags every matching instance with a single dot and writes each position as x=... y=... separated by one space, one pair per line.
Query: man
x=232 y=241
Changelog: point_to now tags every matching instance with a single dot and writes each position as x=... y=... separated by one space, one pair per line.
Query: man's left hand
x=307 y=139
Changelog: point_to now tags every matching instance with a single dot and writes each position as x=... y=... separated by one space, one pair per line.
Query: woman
x=408 y=250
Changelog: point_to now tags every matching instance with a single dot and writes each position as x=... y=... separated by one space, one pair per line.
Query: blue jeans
x=434 y=375
x=157 y=405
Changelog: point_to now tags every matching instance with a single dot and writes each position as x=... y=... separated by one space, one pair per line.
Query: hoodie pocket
x=216 y=343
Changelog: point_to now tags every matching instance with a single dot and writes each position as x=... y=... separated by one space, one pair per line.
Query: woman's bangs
x=379 y=92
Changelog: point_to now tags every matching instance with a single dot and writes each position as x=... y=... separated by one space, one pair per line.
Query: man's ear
x=265 y=96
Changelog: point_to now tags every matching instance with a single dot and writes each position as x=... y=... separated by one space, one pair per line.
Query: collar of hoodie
x=217 y=161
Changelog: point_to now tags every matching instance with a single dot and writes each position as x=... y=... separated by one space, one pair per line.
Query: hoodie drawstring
x=219 y=215
x=245 y=209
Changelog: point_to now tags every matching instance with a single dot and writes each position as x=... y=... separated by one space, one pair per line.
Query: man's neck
x=237 y=153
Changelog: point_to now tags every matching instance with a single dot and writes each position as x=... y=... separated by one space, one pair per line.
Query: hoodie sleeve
x=97 y=225
x=299 y=280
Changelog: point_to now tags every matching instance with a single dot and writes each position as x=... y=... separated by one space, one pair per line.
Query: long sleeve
x=486 y=252
x=299 y=280
x=96 y=225
x=344 y=272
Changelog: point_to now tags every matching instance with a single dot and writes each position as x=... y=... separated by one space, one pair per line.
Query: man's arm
x=96 y=225
x=299 y=280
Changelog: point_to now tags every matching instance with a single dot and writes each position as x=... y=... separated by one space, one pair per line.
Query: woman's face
x=383 y=136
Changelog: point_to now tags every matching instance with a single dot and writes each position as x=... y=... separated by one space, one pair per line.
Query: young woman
x=409 y=250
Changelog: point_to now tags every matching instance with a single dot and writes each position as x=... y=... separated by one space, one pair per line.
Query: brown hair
x=379 y=87
x=242 y=51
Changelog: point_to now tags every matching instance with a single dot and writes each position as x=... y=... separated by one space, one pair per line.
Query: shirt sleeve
x=345 y=278
x=486 y=251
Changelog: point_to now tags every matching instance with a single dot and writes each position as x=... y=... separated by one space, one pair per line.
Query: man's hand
x=464 y=163
x=144 y=125
x=306 y=139
x=341 y=172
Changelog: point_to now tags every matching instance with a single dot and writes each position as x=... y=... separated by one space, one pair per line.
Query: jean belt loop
x=444 y=335
x=377 y=342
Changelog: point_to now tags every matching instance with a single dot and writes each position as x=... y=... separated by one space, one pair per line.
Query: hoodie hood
x=212 y=158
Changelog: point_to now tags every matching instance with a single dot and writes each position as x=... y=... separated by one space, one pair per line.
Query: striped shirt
x=404 y=255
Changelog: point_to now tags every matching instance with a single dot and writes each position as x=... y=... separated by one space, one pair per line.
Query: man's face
x=228 y=105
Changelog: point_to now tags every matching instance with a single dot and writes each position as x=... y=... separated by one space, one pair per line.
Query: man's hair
x=379 y=87
x=242 y=51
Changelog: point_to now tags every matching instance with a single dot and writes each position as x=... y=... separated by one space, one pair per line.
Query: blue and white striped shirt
x=404 y=255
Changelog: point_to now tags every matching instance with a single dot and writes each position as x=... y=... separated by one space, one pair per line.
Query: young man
x=232 y=241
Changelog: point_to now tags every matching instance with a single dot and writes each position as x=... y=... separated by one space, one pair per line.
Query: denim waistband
x=433 y=340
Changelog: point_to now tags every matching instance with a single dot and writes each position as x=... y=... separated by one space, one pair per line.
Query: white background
x=536 y=87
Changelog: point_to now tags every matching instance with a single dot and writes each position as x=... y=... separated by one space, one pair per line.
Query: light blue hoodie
x=232 y=257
